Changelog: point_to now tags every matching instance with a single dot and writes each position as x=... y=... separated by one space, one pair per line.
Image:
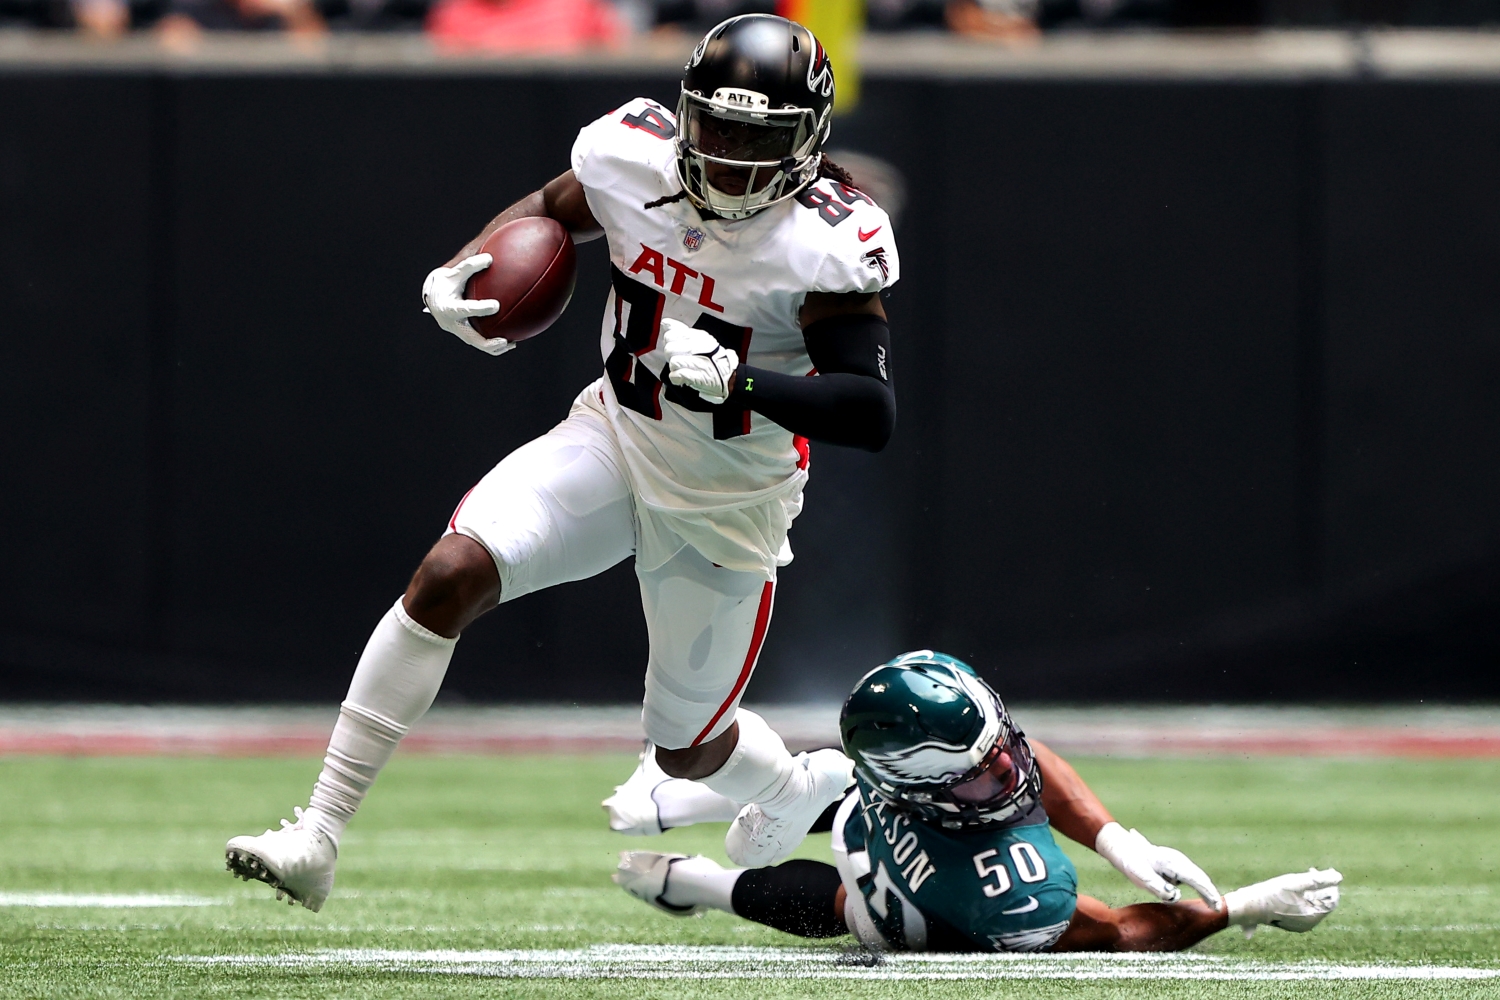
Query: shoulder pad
x=857 y=249
x=638 y=132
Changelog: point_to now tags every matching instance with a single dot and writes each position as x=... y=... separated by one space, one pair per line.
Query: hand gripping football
x=532 y=278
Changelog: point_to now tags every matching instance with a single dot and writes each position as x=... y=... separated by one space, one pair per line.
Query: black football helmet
x=757 y=96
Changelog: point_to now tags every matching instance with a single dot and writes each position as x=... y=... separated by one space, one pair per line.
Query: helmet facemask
x=1006 y=785
x=735 y=137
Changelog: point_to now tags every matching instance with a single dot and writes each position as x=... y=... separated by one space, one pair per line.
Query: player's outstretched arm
x=1142 y=927
x=1076 y=812
x=443 y=291
x=851 y=402
x=1296 y=902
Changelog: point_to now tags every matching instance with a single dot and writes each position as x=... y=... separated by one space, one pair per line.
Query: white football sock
x=760 y=770
x=398 y=676
x=681 y=802
x=699 y=881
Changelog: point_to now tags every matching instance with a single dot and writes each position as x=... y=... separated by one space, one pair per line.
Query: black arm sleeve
x=849 y=402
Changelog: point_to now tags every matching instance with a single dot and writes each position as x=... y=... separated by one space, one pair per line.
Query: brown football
x=532 y=277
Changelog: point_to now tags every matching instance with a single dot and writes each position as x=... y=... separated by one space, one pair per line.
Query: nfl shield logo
x=693 y=238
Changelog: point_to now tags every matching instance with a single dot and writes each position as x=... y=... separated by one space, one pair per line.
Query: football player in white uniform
x=742 y=262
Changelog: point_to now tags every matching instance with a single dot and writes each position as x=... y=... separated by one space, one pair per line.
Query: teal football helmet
x=937 y=741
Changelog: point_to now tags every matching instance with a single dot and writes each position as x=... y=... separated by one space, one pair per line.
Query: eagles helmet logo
x=930 y=763
x=934 y=762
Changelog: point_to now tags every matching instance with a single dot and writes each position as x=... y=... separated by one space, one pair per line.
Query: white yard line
x=98 y=900
x=682 y=962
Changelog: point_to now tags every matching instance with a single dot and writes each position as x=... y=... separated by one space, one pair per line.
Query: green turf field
x=500 y=853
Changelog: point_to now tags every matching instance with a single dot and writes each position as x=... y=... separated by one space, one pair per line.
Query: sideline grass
x=511 y=853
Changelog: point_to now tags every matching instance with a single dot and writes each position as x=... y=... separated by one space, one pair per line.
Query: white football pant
x=559 y=509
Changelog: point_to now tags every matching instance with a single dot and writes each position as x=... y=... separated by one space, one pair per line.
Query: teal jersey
x=929 y=888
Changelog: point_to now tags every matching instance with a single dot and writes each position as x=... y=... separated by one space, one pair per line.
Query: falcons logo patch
x=875 y=261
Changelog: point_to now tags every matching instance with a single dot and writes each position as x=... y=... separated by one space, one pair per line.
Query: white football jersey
x=743 y=281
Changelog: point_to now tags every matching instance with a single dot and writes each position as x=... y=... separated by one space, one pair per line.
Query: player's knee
x=456 y=582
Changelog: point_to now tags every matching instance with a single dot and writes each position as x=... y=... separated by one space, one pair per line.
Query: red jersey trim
x=453 y=521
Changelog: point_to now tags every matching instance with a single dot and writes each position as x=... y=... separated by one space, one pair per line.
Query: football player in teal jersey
x=944 y=841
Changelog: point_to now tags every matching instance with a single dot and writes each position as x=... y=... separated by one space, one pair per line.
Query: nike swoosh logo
x=865 y=236
x=1033 y=904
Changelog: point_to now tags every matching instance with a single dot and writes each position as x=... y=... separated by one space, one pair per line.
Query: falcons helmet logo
x=875 y=261
x=820 y=71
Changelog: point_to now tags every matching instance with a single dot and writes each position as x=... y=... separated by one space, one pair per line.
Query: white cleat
x=756 y=839
x=644 y=875
x=1295 y=902
x=296 y=861
x=632 y=810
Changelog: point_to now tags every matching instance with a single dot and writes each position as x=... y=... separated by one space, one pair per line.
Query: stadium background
x=1196 y=353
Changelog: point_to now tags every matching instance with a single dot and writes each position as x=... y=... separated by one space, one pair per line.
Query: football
x=532 y=278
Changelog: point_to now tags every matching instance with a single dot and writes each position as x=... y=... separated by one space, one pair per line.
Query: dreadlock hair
x=832 y=171
x=666 y=199
x=827 y=170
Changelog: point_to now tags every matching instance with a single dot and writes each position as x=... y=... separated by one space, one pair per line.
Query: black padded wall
x=1196 y=380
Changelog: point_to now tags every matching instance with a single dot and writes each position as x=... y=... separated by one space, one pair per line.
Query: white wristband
x=1110 y=841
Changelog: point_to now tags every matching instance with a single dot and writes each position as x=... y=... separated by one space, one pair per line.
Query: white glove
x=1158 y=870
x=443 y=294
x=1295 y=902
x=695 y=359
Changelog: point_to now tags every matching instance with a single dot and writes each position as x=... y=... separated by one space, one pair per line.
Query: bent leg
x=706 y=625
x=554 y=510
x=798 y=897
x=1140 y=927
x=455 y=584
